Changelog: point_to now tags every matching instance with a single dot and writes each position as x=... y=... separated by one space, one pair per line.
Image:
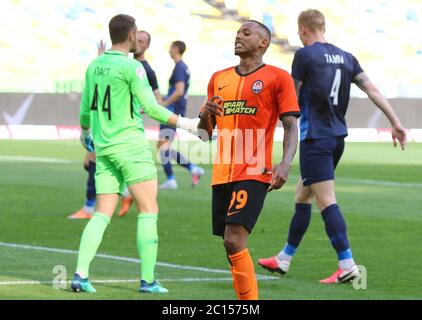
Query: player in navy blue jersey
x=144 y=41
x=176 y=101
x=323 y=75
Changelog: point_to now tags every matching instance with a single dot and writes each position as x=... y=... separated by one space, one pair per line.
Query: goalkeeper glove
x=86 y=140
x=190 y=125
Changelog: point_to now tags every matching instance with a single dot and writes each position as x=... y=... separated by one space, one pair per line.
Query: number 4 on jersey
x=106 y=107
x=336 y=87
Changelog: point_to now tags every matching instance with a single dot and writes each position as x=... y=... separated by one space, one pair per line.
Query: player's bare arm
x=212 y=108
x=158 y=96
x=366 y=85
x=176 y=95
x=281 y=171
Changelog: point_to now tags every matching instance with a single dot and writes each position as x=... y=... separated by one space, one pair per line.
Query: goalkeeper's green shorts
x=115 y=171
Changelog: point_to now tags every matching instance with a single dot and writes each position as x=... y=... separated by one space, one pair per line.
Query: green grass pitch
x=379 y=190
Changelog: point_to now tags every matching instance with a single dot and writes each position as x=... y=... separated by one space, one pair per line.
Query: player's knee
x=303 y=198
x=149 y=207
x=323 y=202
x=232 y=244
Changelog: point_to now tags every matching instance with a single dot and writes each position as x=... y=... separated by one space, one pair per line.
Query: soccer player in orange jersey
x=245 y=103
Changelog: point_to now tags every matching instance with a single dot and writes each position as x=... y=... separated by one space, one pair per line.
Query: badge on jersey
x=257 y=86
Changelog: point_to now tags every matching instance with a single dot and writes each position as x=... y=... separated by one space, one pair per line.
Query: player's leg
x=241 y=264
x=221 y=196
x=126 y=201
x=140 y=173
x=299 y=224
x=167 y=135
x=163 y=146
x=108 y=181
x=195 y=170
x=246 y=203
x=323 y=187
x=88 y=209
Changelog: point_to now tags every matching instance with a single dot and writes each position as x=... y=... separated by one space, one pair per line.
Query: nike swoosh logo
x=18 y=117
x=232 y=213
x=340 y=279
x=243 y=293
x=221 y=88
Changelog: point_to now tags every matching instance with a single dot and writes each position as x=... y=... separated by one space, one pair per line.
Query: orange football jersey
x=253 y=103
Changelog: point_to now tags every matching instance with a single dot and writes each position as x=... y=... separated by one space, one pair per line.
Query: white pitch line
x=125 y=259
x=35 y=282
x=34 y=159
x=381 y=183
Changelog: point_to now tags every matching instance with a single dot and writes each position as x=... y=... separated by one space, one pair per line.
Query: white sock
x=284 y=256
x=88 y=209
x=346 y=264
x=126 y=193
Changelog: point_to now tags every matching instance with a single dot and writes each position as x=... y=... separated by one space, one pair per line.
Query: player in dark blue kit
x=323 y=75
x=176 y=102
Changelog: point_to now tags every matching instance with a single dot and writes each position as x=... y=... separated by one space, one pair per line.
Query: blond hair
x=313 y=19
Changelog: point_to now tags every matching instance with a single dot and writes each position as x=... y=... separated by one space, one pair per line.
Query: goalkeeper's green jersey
x=113 y=82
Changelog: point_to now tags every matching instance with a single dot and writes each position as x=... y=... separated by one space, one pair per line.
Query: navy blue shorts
x=167 y=132
x=319 y=158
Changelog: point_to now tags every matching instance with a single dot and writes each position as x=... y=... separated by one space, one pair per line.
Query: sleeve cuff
x=292 y=113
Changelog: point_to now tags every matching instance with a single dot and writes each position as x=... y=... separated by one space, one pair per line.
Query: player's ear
x=301 y=29
x=132 y=35
x=265 y=42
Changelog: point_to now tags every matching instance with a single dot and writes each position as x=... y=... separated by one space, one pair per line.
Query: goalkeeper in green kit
x=109 y=121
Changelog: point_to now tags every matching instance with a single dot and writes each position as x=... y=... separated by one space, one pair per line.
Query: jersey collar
x=247 y=74
x=113 y=52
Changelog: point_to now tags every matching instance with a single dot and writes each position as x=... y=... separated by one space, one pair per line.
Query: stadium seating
x=55 y=40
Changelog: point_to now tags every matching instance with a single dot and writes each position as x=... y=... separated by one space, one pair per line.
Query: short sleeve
x=84 y=109
x=142 y=92
x=356 y=67
x=152 y=79
x=299 y=65
x=179 y=74
x=286 y=96
x=210 y=91
x=137 y=78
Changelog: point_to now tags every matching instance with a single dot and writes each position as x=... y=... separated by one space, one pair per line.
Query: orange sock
x=243 y=273
x=234 y=282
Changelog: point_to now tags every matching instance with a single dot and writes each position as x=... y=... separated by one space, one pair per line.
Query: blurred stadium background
x=45 y=47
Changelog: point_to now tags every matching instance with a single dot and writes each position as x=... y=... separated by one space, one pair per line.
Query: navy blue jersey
x=326 y=73
x=180 y=73
x=152 y=78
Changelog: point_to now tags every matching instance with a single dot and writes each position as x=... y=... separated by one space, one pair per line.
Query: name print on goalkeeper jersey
x=112 y=82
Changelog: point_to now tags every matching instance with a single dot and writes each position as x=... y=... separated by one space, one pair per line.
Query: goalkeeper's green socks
x=90 y=241
x=147 y=242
